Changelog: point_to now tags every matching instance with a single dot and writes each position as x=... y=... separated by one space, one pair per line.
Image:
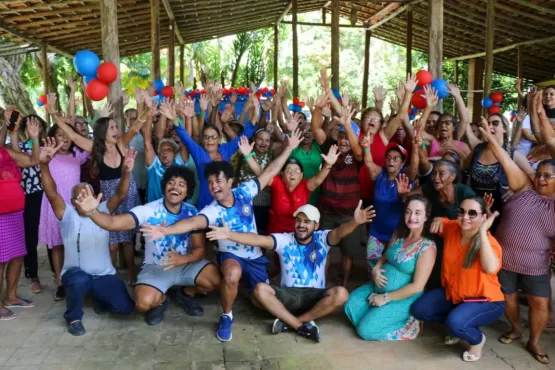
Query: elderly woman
x=12 y=203
x=526 y=233
x=470 y=295
x=380 y=310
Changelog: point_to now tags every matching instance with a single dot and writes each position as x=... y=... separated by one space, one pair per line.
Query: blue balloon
x=88 y=79
x=412 y=117
x=414 y=111
x=441 y=87
x=487 y=103
x=86 y=63
x=336 y=93
x=39 y=103
x=158 y=85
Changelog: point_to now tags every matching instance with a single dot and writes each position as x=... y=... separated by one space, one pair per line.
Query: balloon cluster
x=425 y=78
x=162 y=90
x=41 y=101
x=493 y=102
x=513 y=115
x=297 y=105
x=242 y=93
x=97 y=76
x=412 y=113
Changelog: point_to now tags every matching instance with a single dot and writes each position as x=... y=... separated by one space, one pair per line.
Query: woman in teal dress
x=380 y=310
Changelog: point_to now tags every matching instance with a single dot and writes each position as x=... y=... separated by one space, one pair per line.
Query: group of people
x=457 y=218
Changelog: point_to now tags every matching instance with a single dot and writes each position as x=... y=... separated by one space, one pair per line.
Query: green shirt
x=311 y=162
x=447 y=210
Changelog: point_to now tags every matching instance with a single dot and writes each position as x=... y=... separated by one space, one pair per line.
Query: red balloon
x=167 y=91
x=494 y=109
x=107 y=72
x=43 y=99
x=302 y=104
x=296 y=100
x=96 y=90
x=424 y=77
x=418 y=101
x=496 y=97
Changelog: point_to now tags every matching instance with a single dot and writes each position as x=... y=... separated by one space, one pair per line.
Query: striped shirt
x=340 y=192
x=526 y=233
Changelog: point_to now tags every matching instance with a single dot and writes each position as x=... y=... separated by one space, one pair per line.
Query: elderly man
x=87 y=263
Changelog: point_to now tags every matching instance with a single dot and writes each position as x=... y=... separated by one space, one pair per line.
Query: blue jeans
x=461 y=319
x=107 y=290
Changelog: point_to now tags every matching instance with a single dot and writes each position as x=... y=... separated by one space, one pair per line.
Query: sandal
x=469 y=357
x=23 y=303
x=7 y=315
x=541 y=358
x=35 y=286
x=450 y=340
x=505 y=339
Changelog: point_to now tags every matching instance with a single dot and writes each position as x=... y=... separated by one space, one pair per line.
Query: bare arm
x=488 y=259
x=277 y=164
x=361 y=216
x=392 y=127
x=49 y=187
x=262 y=241
x=464 y=119
x=373 y=168
x=123 y=186
x=82 y=142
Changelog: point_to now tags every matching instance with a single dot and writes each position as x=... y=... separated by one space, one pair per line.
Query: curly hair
x=182 y=172
x=214 y=168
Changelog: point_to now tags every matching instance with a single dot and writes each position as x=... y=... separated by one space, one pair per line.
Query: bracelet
x=366 y=150
x=32 y=141
x=88 y=214
x=246 y=157
x=386 y=298
x=180 y=121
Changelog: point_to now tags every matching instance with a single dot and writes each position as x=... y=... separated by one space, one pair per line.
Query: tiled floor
x=38 y=339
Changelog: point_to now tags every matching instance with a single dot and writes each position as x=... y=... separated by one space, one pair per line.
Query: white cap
x=310 y=211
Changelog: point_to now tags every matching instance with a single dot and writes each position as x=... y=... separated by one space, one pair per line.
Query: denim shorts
x=185 y=275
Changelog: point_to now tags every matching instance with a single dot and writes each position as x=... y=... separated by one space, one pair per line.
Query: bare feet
x=510 y=337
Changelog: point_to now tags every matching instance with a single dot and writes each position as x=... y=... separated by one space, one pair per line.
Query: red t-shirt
x=378 y=156
x=285 y=203
x=12 y=198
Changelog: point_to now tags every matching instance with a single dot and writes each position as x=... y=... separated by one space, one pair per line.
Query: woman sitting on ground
x=470 y=295
x=380 y=309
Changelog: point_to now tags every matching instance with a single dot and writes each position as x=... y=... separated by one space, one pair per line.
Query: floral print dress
x=392 y=321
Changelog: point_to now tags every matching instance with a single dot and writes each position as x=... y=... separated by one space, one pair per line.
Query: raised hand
x=363 y=215
x=437 y=225
x=244 y=146
x=282 y=91
x=51 y=104
x=400 y=91
x=48 y=150
x=233 y=98
x=86 y=201
x=346 y=115
x=454 y=90
x=218 y=233
x=295 y=140
x=155 y=232
x=486 y=132
x=217 y=94
x=378 y=277
x=322 y=100
x=326 y=112
x=310 y=104
x=367 y=140
x=188 y=108
x=403 y=184
x=125 y=98
x=345 y=99
x=379 y=93
x=521 y=114
x=488 y=198
x=268 y=104
x=172 y=259
x=179 y=88
x=332 y=155
x=33 y=128
x=107 y=110
x=430 y=94
x=324 y=79
x=129 y=160
x=489 y=221
x=518 y=86
x=71 y=84
x=293 y=122
x=168 y=110
x=410 y=83
x=227 y=114
x=203 y=102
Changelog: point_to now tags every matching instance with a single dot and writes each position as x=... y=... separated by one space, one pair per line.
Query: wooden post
x=182 y=63
x=110 y=52
x=490 y=34
x=475 y=82
x=435 y=40
x=295 y=50
x=324 y=15
x=171 y=54
x=276 y=55
x=456 y=72
x=519 y=68
x=44 y=73
x=155 y=37
x=367 y=37
x=409 y=40
x=335 y=44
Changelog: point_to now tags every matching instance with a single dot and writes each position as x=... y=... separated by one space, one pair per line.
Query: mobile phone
x=13 y=119
x=478 y=299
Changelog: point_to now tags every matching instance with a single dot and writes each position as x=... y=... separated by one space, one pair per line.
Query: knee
x=75 y=277
x=261 y=291
x=114 y=248
x=419 y=310
x=210 y=278
x=339 y=296
x=145 y=302
x=231 y=276
x=538 y=304
x=455 y=324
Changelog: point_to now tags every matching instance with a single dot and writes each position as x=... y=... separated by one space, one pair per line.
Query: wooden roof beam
x=393 y=15
x=5 y=28
x=287 y=9
x=505 y=48
x=384 y=12
x=171 y=16
x=539 y=8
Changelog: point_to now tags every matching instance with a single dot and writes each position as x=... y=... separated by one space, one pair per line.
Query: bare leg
x=347 y=267
x=231 y=272
x=58 y=262
x=129 y=253
x=512 y=312
x=2 y=268
x=538 y=315
x=266 y=297
x=334 y=299
x=114 y=254
x=147 y=298
x=208 y=280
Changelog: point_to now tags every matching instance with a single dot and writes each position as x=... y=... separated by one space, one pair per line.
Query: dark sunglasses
x=495 y=123
x=472 y=213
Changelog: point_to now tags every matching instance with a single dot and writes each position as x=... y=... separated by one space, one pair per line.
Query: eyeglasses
x=546 y=176
x=472 y=213
x=446 y=123
x=395 y=159
x=371 y=119
x=80 y=123
x=132 y=119
x=291 y=172
x=210 y=138
x=495 y=123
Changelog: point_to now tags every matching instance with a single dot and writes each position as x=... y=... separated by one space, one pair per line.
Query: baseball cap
x=309 y=211
x=397 y=147
x=355 y=127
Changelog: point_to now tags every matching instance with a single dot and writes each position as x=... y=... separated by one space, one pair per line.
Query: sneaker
x=280 y=327
x=156 y=315
x=60 y=293
x=76 y=328
x=309 y=330
x=191 y=307
x=224 y=329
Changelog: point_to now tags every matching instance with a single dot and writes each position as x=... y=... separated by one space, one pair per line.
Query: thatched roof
x=67 y=26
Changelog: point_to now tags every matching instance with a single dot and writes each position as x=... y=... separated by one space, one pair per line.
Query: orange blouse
x=460 y=283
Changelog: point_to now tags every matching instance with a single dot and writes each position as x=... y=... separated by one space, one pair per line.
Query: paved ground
x=38 y=339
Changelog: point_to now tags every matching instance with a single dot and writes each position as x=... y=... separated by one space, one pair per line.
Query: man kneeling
x=171 y=260
x=302 y=296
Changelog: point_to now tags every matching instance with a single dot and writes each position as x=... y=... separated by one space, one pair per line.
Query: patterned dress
x=392 y=321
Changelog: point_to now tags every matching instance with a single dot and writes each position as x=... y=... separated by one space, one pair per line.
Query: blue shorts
x=253 y=271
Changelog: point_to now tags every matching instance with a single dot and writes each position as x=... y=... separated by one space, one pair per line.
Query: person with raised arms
x=235 y=208
x=302 y=296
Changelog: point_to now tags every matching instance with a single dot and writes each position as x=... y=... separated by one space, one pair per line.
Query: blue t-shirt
x=155 y=173
x=387 y=205
x=238 y=218
x=302 y=265
x=155 y=213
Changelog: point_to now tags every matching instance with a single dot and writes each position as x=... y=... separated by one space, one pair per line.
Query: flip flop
x=24 y=303
x=7 y=315
x=541 y=358
x=506 y=340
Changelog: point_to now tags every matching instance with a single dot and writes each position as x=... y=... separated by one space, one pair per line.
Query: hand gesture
x=346 y=115
x=233 y=98
x=268 y=104
x=217 y=94
x=431 y=96
x=486 y=132
x=227 y=114
x=322 y=101
x=324 y=79
x=155 y=232
x=489 y=221
x=295 y=140
x=310 y=104
x=179 y=88
x=378 y=300
x=418 y=125
x=403 y=184
x=86 y=202
x=282 y=90
x=417 y=141
x=33 y=128
x=411 y=83
x=71 y=84
x=107 y=110
x=171 y=260
x=379 y=93
x=188 y=108
x=454 y=90
x=488 y=198
x=363 y=215
x=48 y=150
x=367 y=140
x=437 y=225
x=400 y=92
x=218 y=233
x=332 y=156
x=326 y=112
x=129 y=160
x=521 y=114
x=51 y=104
x=345 y=99
x=168 y=110
x=293 y=122
x=244 y=146
x=355 y=104
x=203 y=102
x=379 y=279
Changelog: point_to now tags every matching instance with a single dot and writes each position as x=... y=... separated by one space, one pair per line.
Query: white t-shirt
x=239 y=218
x=302 y=265
x=155 y=213
x=524 y=146
x=86 y=245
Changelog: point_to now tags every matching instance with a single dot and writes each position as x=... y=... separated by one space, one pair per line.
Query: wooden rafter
x=7 y=29
x=383 y=13
x=169 y=10
x=282 y=15
x=394 y=14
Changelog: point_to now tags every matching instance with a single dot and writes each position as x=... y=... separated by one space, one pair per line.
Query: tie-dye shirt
x=155 y=213
x=302 y=265
x=239 y=218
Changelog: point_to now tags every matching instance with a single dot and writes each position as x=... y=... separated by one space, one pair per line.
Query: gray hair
x=81 y=184
x=453 y=169
x=168 y=141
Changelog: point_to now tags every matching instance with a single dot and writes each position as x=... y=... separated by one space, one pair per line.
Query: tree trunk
x=52 y=76
x=12 y=89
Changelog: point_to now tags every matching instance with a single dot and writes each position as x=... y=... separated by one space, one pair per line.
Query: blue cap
x=355 y=127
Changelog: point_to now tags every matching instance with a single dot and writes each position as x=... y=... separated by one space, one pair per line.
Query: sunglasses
x=472 y=213
x=495 y=123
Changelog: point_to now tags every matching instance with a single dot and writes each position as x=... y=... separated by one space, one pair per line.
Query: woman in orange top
x=471 y=294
